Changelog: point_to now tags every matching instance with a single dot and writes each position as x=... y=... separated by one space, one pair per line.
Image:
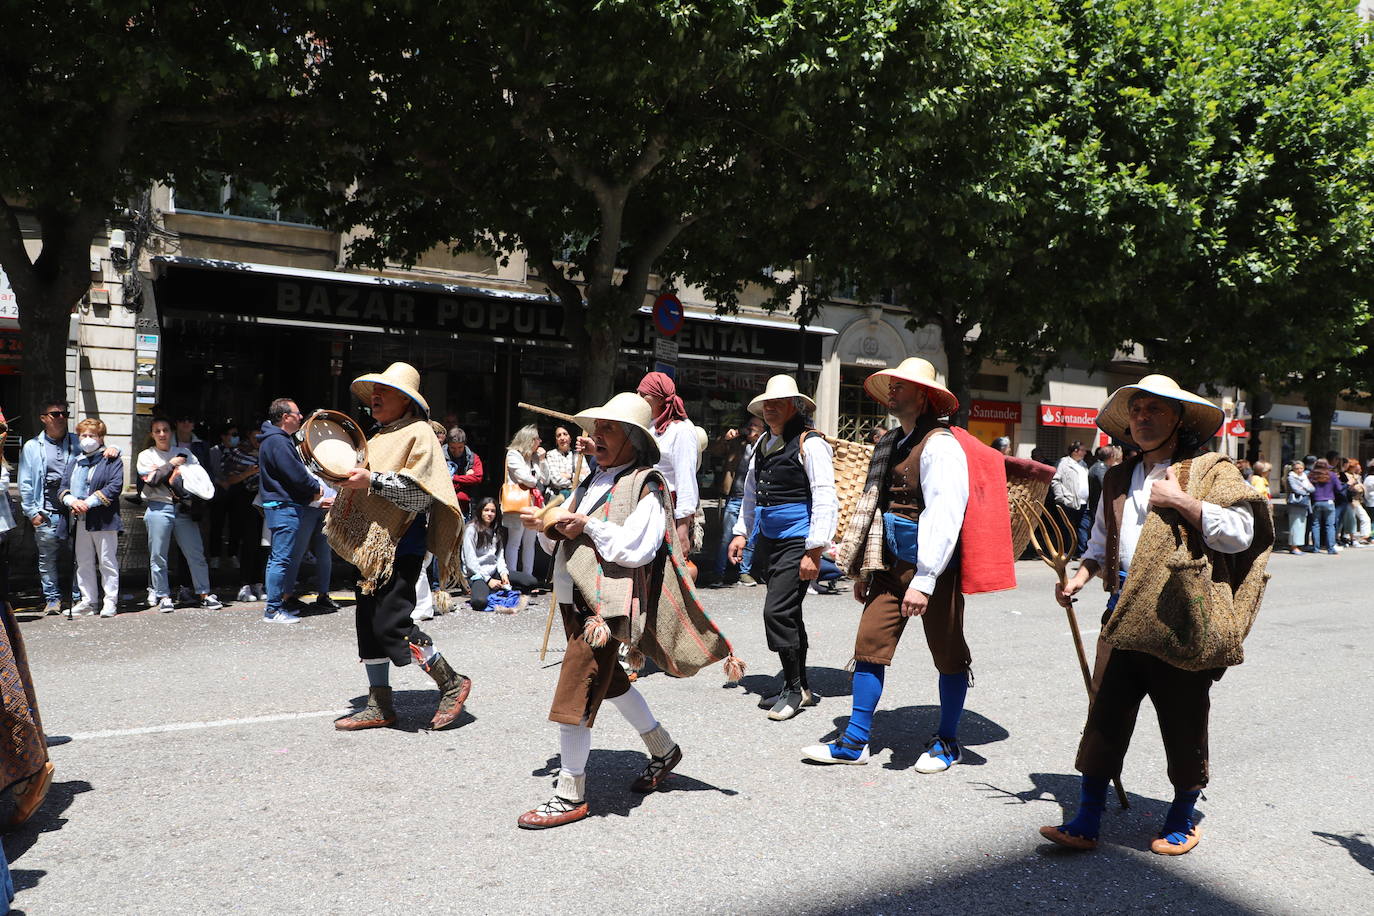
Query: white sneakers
x=823 y=753
x=245 y=595
x=166 y=606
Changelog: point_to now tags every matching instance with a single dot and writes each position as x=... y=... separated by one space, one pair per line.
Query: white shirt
x=1369 y=491
x=1074 y=477
x=630 y=545
x=519 y=470
x=944 y=487
x=1225 y=530
x=818 y=459
x=149 y=460
x=678 y=459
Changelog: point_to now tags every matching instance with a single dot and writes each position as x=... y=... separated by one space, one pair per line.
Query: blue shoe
x=940 y=755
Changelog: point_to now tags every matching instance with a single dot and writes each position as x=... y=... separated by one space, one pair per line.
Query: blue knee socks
x=868 y=689
x=1179 y=820
x=953 y=690
x=378 y=674
x=1092 y=800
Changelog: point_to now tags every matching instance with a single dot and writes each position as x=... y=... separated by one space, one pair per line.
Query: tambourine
x=331 y=444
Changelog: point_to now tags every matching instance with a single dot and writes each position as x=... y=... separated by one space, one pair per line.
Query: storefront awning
x=270 y=294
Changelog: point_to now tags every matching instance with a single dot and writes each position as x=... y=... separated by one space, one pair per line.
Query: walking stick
x=577 y=469
x=1045 y=532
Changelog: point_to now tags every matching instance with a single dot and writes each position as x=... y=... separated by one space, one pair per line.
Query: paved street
x=202 y=774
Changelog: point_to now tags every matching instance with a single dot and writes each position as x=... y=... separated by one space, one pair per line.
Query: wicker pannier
x=851 y=470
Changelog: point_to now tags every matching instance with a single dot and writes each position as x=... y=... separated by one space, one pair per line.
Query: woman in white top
x=1299 y=506
x=159 y=468
x=484 y=556
x=523 y=456
x=558 y=465
x=679 y=450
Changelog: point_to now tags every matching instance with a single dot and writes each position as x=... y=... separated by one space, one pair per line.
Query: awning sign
x=9 y=305
x=995 y=411
x=1057 y=415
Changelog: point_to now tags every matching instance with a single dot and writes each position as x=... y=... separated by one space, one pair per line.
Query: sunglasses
x=58 y=413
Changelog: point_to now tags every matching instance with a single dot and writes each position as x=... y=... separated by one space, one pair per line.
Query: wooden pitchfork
x=1045 y=531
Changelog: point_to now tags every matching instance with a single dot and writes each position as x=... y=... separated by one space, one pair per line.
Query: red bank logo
x=1056 y=415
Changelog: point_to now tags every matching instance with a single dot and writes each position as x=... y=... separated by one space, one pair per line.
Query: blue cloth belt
x=785 y=520
x=899 y=535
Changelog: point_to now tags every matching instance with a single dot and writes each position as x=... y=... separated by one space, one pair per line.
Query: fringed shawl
x=364 y=528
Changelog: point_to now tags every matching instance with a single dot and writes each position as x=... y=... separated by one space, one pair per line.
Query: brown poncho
x=364 y=528
x=1184 y=603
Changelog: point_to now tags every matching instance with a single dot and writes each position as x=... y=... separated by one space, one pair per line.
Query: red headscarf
x=658 y=385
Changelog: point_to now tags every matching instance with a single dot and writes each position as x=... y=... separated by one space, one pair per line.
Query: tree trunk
x=959 y=359
x=43 y=321
x=1321 y=401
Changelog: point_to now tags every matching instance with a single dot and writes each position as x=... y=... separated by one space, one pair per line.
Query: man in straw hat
x=918 y=477
x=385 y=518
x=1181 y=542
x=789 y=502
x=622 y=580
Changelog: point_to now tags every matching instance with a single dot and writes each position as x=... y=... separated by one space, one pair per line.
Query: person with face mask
x=229 y=440
x=90 y=492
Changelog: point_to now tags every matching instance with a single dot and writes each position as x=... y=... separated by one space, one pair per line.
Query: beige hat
x=1200 y=416
x=919 y=372
x=629 y=408
x=780 y=386
x=402 y=376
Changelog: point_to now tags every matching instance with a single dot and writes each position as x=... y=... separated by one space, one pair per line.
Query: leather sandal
x=1163 y=847
x=553 y=813
x=378 y=713
x=657 y=770
x=1062 y=837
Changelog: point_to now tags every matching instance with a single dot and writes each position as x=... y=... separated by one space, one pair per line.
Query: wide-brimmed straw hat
x=629 y=408
x=780 y=386
x=1201 y=417
x=404 y=377
x=918 y=372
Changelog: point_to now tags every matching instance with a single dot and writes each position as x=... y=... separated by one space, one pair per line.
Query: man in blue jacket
x=293 y=500
x=43 y=463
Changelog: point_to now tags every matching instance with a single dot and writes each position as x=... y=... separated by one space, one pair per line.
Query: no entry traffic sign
x=668 y=314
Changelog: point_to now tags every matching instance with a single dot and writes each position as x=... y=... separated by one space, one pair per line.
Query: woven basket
x=851 y=470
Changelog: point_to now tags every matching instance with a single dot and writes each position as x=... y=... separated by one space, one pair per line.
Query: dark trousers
x=481 y=591
x=1182 y=700
x=780 y=562
x=252 y=555
x=385 y=629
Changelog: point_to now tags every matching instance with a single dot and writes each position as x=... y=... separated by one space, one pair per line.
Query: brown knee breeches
x=587 y=676
x=1182 y=700
x=880 y=628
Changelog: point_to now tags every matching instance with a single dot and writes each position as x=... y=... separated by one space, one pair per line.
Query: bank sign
x=232 y=291
x=1057 y=415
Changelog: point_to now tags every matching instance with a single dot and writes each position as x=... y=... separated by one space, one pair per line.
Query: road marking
x=216 y=723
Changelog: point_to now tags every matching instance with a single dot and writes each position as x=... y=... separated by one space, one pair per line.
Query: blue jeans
x=729 y=516
x=318 y=544
x=51 y=551
x=1324 y=513
x=292 y=527
x=163 y=523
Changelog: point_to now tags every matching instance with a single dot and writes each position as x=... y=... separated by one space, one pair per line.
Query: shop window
x=1051 y=441
x=1292 y=443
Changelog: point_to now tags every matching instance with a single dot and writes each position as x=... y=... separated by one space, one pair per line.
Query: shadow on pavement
x=414 y=710
x=1357 y=844
x=826 y=682
x=48 y=818
x=1056 y=880
x=905 y=730
x=610 y=772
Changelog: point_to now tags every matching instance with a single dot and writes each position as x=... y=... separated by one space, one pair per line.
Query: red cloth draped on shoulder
x=985 y=560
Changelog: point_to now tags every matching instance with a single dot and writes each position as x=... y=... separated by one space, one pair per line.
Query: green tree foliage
x=97 y=101
x=618 y=140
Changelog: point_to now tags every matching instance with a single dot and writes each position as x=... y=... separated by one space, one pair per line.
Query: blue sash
x=899 y=536
x=785 y=520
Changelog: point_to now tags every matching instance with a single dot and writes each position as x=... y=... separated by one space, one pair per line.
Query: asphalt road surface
x=197 y=772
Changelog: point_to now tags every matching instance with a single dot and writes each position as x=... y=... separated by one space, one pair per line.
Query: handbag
x=1299 y=499
x=514 y=497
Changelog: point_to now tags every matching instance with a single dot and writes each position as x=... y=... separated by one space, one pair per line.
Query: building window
x=987 y=381
x=859 y=413
x=216 y=192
